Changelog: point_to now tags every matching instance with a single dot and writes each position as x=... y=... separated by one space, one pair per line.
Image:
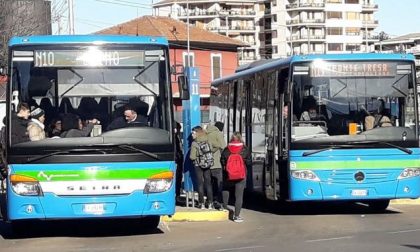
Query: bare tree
x=22 y=18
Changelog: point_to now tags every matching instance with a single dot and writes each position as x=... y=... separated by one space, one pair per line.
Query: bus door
x=271 y=135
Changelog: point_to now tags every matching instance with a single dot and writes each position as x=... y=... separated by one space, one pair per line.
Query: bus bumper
x=305 y=190
x=51 y=206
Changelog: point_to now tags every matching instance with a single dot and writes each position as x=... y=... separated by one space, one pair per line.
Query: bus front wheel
x=379 y=205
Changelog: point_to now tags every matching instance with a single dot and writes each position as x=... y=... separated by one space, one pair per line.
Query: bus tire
x=150 y=222
x=379 y=205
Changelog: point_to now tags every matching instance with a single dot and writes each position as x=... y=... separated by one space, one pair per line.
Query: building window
x=334 y=15
x=351 y=1
x=334 y=31
x=352 y=31
x=216 y=66
x=185 y=58
x=335 y=47
x=352 y=47
x=352 y=16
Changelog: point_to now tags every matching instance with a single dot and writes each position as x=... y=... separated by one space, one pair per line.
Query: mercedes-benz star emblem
x=359 y=176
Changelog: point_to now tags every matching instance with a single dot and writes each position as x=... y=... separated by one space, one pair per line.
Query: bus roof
x=86 y=39
x=249 y=70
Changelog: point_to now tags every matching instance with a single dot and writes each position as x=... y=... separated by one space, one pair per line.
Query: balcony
x=370 y=23
x=305 y=22
x=223 y=29
x=295 y=6
x=371 y=7
x=304 y=38
x=370 y=38
x=207 y=13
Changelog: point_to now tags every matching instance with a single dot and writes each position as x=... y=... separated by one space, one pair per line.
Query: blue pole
x=191 y=117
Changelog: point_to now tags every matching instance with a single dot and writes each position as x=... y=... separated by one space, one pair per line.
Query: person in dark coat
x=236 y=145
x=20 y=123
x=130 y=119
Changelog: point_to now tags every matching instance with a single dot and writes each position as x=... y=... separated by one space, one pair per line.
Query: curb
x=197 y=216
x=405 y=202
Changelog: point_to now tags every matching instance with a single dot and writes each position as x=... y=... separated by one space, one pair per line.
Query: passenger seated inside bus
x=310 y=112
x=130 y=118
x=74 y=127
x=379 y=119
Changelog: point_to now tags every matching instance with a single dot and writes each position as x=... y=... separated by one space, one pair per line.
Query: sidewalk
x=405 y=202
x=194 y=214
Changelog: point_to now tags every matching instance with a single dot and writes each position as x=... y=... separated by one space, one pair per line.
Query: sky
x=396 y=17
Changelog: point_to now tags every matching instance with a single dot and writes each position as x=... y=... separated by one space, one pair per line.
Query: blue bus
x=124 y=171
x=326 y=127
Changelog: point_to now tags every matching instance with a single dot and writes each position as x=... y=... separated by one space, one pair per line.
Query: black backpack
x=205 y=157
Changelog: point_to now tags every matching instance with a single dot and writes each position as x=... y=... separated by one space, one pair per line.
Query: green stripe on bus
x=368 y=164
x=80 y=175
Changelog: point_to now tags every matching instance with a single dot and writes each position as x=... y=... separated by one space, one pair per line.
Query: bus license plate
x=358 y=192
x=93 y=208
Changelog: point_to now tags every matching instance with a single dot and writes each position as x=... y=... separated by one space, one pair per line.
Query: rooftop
x=175 y=31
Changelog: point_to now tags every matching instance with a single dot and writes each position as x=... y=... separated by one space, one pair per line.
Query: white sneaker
x=238 y=219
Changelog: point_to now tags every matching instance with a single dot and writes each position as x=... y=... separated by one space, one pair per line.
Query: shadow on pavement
x=77 y=228
x=257 y=203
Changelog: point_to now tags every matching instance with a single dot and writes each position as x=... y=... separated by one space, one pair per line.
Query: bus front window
x=338 y=102
x=95 y=85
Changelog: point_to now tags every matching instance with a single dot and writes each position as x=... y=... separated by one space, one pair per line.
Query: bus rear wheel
x=150 y=222
x=379 y=205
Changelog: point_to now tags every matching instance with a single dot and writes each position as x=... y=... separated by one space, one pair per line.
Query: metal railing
x=305 y=5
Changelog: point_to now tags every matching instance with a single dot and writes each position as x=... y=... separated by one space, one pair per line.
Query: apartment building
x=234 y=18
x=280 y=28
x=408 y=43
x=318 y=26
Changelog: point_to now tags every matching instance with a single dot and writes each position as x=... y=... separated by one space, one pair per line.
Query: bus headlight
x=305 y=175
x=26 y=186
x=409 y=173
x=160 y=182
x=157 y=185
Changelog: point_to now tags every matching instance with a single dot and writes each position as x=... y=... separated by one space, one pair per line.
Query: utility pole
x=71 y=17
x=188 y=34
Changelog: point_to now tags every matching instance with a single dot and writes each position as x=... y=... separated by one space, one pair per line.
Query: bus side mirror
x=184 y=92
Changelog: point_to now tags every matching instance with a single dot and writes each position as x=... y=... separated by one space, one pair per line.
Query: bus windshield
x=340 y=102
x=95 y=84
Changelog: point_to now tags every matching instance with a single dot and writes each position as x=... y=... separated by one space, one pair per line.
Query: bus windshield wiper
x=132 y=148
x=408 y=151
x=312 y=152
x=30 y=160
x=353 y=144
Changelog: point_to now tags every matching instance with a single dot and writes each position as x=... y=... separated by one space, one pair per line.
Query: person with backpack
x=218 y=143
x=235 y=159
x=202 y=157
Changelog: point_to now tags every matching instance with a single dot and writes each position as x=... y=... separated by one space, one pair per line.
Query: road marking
x=241 y=248
x=330 y=239
x=404 y=231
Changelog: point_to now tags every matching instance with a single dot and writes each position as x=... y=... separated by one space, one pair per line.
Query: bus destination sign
x=353 y=69
x=88 y=58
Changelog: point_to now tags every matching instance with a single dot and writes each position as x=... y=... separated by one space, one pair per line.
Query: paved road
x=267 y=227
